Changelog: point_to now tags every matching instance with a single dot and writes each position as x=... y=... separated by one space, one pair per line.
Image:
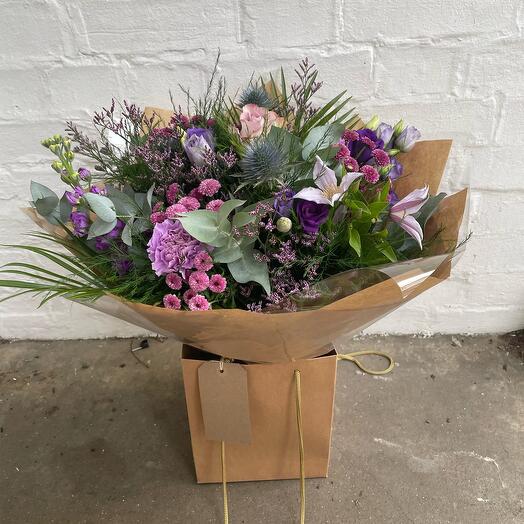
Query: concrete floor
x=88 y=434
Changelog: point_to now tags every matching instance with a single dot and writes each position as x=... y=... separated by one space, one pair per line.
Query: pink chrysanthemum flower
x=198 y=281
x=174 y=210
x=343 y=152
x=157 y=217
x=209 y=187
x=172 y=193
x=381 y=157
x=217 y=283
x=351 y=164
x=172 y=302
x=174 y=281
x=350 y=136
x=203 y=262
x=190 y=203
x=199 y=303
x=366 y=140
x=370 y=174
x=214 y=205
x=195 y=193
x=188 y=295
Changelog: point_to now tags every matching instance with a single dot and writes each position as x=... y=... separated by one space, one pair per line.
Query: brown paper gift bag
x=273 y=450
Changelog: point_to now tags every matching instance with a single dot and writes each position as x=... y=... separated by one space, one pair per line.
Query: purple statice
x=229 y=159
x=283 y=202
x=171 y=248
x=286 y=254
x=80 y=222
x=284 y=285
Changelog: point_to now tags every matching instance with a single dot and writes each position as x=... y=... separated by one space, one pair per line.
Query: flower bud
x=57 y=166
x=53 y=148
x=284 y=224
x=69 y=155
x=373 y=123
x=399 y=127
x=393 y=152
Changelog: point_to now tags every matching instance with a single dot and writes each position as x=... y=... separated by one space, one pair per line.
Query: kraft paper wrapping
x=358 y=298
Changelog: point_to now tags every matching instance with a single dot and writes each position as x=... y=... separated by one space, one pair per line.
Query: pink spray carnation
x=172 y=193
x=188 y=295
x=172 y=302
x=195 y=193
x=351 y=164
x=174 y=210
x=214 y=205
x=370 y=174
x=157 y=217
x=199 y=303
x=209 y=187
x=217 y=283
x=174 y=281
x=381 y=157
x=203 y=262
x=198 y=281
x=190 y=203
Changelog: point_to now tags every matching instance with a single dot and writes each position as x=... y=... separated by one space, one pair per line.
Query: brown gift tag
x=225 y=402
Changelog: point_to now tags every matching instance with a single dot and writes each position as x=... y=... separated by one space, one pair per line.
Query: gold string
x=300 y=447
x=351 y=357
x=224 y=481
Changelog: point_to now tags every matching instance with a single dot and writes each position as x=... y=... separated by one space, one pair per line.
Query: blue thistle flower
x=263 y=161
x=255 y=94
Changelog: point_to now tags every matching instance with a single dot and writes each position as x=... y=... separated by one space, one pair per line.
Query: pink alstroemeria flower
x=327 y=191
x=401 y=213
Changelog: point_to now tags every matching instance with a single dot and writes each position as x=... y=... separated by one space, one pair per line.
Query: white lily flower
x=327 y=191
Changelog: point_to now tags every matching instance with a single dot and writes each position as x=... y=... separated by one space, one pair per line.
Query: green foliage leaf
x=124 y=204
x=242 y=218
x=101 y=206
x=100 y=227
x=387 y=251
x=320 y=138
x=45 y=199
x=65 y=209
x=227 y=207
x=127 y=238
x=247 y=269
x=354 y=240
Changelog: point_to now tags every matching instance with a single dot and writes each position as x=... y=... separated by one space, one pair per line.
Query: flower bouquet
x=258 y=228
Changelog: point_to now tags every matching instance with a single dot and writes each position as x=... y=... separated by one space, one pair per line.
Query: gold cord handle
x=224 y=481
x=300 y=447
x=351 y=357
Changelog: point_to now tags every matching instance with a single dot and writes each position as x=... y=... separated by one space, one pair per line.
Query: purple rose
x=406 y=140
x=80 y=223
x=396 y=169
x=206 y=134
x=172 y=249
x=367 y=141
x=311 y=215
x=283 y=202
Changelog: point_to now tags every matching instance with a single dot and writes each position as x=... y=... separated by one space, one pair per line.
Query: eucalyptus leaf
x=101 y=206
x=65 y=209
x=100 y=227
x=127 y=238
x=124 y=204
x=45 y=199
x=227 y=207
x=201 y=224
x=242 y=218
x=247 y=269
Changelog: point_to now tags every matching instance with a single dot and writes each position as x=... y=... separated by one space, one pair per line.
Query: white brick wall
x=454 y=69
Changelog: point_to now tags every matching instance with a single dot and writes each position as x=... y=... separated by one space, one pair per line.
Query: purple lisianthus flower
x=171 y=248
x=406 y=140
x=392 y=197
x=283 y=202
x=311 y=215
x=206 y=134
x=84 y=173
x=117 y=230
x=396 y=169
x=80 y=223
x=384 y=132
x=123 y=266
x=196 y=148
x=367 y=141
x=73 y=197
